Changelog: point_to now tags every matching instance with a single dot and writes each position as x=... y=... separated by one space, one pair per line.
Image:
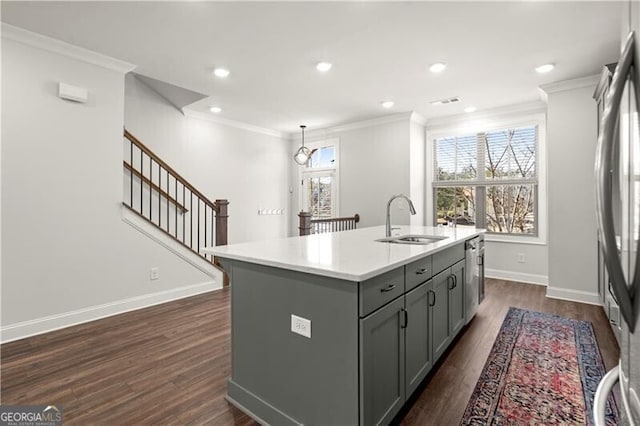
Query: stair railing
x=308 y=225
x=156 y=192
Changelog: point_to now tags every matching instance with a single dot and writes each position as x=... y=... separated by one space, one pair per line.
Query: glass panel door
x=319 y=196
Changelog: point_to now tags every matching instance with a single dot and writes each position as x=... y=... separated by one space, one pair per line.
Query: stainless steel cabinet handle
x=388 y=288
x=452 y=283
x=604 y=185
x=421 y=271
x=431 y=292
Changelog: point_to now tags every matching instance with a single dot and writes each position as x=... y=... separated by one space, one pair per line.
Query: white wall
x=502 y=261
x=248 y=168
x=417 y=170
x=374 y=165
x=572 y=137
x=67 y=255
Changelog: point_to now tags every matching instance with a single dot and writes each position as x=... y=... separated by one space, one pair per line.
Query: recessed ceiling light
x=437 y=67
x=545 y=68
x=215 y=109
x=470 y=109
x=387 y=104
x=323 y=66
x=221 y=72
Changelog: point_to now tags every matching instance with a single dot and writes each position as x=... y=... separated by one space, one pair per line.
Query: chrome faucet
x=412 y=210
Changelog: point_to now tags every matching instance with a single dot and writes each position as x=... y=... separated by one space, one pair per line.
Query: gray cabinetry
x=448 y=307
x=396 y=353
x=418 y=272
x=401 y=340
x=368 y=346
x=457 y=298
x=418 y=354
x=379 y=290
x=440 y=329
x=382 y=364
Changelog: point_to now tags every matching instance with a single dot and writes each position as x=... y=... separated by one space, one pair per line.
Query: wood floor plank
x=168 y=364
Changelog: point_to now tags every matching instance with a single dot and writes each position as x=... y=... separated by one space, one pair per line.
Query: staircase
x=157 y=193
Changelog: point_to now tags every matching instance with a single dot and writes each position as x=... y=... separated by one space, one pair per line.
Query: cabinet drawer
x=447 y=257
x=418 y=272
x=381 y=289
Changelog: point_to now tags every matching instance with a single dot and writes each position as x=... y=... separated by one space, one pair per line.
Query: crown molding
x=331 y=130
x=385 y=119
x=232 y=123
x=20 y=35
x=576 y=83
x=535 y=107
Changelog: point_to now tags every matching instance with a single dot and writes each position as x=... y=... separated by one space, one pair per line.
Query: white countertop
x=348 y=255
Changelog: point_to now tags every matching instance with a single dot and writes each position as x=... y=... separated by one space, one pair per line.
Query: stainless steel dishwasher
x=474 y=281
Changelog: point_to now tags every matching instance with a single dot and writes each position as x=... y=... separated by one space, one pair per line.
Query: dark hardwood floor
x=168 y=364
x=445 y=393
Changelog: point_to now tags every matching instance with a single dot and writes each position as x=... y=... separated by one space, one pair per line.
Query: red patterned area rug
x=542 y=370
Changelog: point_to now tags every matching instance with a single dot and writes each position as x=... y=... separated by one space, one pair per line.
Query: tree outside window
x=503 y=197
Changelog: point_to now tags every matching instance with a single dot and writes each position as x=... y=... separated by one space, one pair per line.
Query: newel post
x=305 y=223
x=221 y=222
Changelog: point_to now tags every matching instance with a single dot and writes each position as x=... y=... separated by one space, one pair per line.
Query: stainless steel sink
x=413 y=239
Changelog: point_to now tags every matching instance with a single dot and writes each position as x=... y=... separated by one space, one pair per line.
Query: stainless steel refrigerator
x=618 y=211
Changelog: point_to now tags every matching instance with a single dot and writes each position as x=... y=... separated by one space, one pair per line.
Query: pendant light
x=303 y=153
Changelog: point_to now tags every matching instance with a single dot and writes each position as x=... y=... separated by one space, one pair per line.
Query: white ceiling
x=379 y=51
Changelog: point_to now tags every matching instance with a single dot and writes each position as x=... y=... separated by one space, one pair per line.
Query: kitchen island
x=338 y=328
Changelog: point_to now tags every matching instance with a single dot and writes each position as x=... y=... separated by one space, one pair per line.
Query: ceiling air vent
x=446 y=101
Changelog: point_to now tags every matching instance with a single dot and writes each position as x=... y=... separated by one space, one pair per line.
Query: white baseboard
x=520 y=277
x=574 y=295
x=29 y=328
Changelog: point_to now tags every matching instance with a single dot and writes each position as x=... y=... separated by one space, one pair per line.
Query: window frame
x=464 y=127
x=333 y=172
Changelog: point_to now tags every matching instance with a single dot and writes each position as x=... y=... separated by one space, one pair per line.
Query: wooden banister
x=305 y=223
x=334 y=224
x=165 y=166
x=155 y=187
x=221 y=222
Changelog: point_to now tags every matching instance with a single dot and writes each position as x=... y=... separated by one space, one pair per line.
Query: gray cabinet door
x=456 y=298
x=382 y=364
x=417 y=345
x=440 y=329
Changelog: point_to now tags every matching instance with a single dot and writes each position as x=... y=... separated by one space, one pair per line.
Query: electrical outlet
x=301 y=326
x=154 y=274
x=520 y=257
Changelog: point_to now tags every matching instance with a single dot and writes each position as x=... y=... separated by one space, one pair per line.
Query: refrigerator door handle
x=602 y=394
x=604 y=184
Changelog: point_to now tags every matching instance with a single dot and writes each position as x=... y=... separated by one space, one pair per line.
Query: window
x=488 y=180
x=318 y=182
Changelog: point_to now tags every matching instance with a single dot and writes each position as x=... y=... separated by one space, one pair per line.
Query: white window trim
x=303 y=171
x=463 y=128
